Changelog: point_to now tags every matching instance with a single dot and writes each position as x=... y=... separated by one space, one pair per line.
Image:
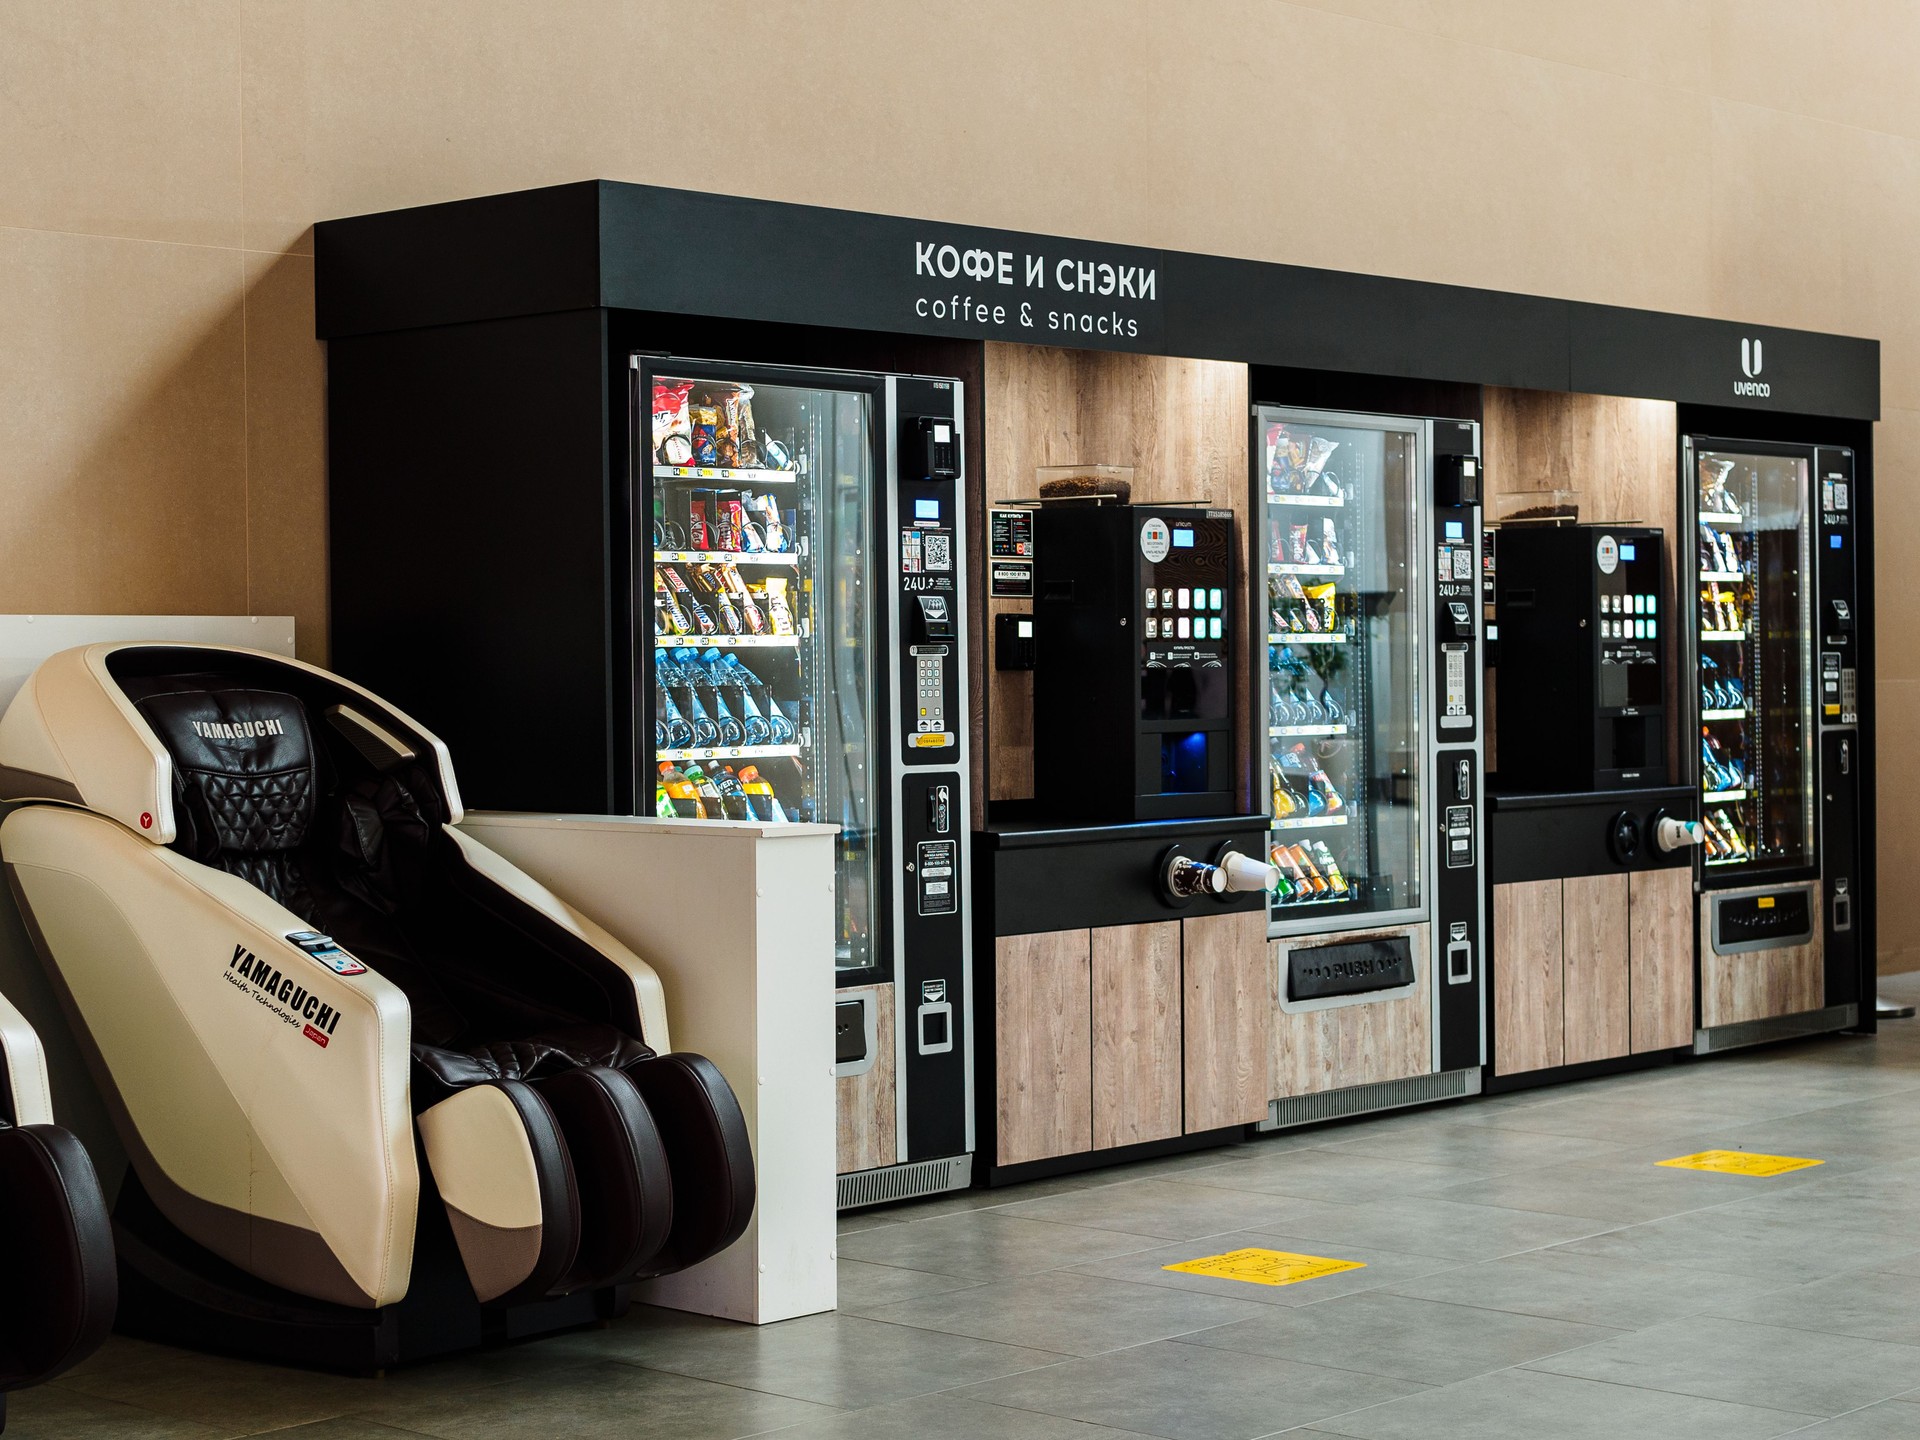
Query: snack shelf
x=725 y=477
x=1274 y=732
x=725 y=557
x=1723 y=635
x=1277 y=567
x=728 y=752
x=1330 y=898
x=1722 y=797
x=1308 y=637
x=1324 y=502
x=1714 y=517
x=1727 y=860
x=1310 y=822
x=1725 y=577
x=728 y=642
x=1723 y=714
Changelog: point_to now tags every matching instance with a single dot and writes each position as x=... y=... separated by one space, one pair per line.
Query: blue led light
x=1833 y=542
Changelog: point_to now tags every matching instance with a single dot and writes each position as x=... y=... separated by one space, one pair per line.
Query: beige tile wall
x=162 y=163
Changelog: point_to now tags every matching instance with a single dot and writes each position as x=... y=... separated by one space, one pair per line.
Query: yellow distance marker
x=1740 y=1162
x=1265 y=1267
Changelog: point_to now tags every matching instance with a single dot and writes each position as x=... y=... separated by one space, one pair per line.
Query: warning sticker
x=1265 y=1267
x=1740 y=1162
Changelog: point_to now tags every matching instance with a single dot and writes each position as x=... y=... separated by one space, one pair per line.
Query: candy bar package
x=706 y=435
x=739 y=430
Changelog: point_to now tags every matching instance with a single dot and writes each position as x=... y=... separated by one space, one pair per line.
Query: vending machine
x=1770 y=644
x=1368 y=542
x=1134 y=708
x=802 y=558
x=1583 y=611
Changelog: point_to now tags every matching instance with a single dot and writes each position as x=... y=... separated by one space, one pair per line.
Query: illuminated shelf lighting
x=731 y=477
x=1311 y=822
x=1725 y=577
x=1324 y=502
x=1714 y=517
x=724 y=557
x=1307 y=637
x=726 y=642
x=1706 y=635
x=1723 y=714
x=728 y=752
x=1722 y=797
x=1274 y=732
x=1281 y=567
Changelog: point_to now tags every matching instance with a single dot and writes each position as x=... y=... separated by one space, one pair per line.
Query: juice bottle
x=739 y=805
x=680 y=790
x=764 y=800
x=712 y=805
x=663 y=803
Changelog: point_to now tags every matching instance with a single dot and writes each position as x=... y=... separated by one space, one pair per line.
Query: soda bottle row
x=1308 y=873
x=1300 y=787
x=693 y=793
x=692 y=706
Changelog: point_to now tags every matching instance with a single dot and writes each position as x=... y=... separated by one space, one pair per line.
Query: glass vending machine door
x=758 y=499
x=1753 y=648
x=1340 y=709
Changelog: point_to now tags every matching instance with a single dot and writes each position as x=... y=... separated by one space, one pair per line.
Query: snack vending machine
x=803 y=560
x=1368 y=545
x=1770 y=646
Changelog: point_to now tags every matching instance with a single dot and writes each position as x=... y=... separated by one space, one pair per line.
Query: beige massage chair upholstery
x=206 y=821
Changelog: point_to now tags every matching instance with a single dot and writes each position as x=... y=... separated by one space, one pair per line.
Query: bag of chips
x=672 y=427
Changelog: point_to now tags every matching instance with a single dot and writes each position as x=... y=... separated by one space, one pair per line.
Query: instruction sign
x=1740 y=1162
x=1265 y=1267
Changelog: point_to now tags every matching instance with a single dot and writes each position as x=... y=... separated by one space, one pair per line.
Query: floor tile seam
x=1807 y=1329
x=1050 y=1414
x=1598 y=1219
x=62 y=1385
x=1541 y=1315
x=343 y=1415
x=1539 y=1367
x=1193 y=1344
x=966 y=1281
x=658 y=1369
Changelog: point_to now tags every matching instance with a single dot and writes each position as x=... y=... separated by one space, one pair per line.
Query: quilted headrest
x=76 y=734
x=244 y=764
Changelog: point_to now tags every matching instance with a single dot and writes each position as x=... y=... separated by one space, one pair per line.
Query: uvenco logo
x=283 y=995
x=1753 y=385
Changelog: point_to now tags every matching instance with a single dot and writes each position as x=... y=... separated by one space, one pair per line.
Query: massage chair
x=382 y=1094
x=56 y=1248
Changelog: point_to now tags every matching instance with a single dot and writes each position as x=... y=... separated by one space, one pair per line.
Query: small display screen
x=1183 y=537
x=927 y=510
x=1626 y=552
x=1456 y=530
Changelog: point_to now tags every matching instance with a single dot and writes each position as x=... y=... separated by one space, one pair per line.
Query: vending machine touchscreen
x=1134 y=710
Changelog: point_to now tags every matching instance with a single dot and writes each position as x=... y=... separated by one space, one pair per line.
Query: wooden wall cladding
x=1661 y=920
x=1343 y=1045
x=1760 y=984
x=1136 y=1033
x=1224 y=1019
x=867 y=1121
x=1528 y=1028
x=1622 y=455
x=1182 y=425
x=1043 y=1065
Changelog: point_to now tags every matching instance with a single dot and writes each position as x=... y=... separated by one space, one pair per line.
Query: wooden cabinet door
x=1528 y=1031
x=1594 y=970
x=1227 y=1019
x=1660 y=947
x=1043 y=1080
x=1136 y=1033
x=868 y=1103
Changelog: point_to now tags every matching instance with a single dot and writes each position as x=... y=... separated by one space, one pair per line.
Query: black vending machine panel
x=1837 y=646
x=1459 y=921
x=1583 y=615
x=1134 y=709
x=930 y=853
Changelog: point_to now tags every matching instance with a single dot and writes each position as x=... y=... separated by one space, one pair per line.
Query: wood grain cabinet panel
x=1760 y=984
x=1595 y=973
x=1227 y=1019
x=1043 y=1068
x=1660 y=952
x=1136 y=1033
x=1528 y=1007
x=867 y=1121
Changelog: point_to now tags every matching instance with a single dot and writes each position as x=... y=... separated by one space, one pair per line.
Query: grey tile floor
x=1529 y=1271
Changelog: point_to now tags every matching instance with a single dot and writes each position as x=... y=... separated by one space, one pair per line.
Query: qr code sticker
x=939 y=552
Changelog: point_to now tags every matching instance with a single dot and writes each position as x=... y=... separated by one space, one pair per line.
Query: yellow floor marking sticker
x=1740 y=1162
x=1265 y=1267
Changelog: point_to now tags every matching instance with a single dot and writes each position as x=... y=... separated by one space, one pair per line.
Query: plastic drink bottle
x=680 y=790
x=671 y=727
x=739 y=806
x=712 y=803
x=764 y=800
x=752 y=728
x=663 y=803
x=706 y=730
x=780 y=729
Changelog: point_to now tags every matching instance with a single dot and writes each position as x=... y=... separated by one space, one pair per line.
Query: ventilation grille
x=1778 y=1027
x=904 y=1182
x=1364 y=1099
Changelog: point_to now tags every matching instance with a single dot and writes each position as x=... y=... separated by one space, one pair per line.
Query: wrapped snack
x=1320 y=601
x=774 y=456
x=779 y=614
x=1318 y=449
x=706 y=435
x=1297 y=544
x=672 y=428
x=746 y=445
